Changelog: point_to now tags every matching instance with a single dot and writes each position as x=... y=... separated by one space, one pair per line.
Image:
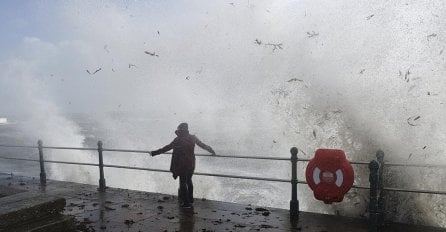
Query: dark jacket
x=183 y=156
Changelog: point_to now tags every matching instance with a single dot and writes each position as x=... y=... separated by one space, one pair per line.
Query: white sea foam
x=252 y=78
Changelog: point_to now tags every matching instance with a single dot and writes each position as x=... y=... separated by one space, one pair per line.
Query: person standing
x=182 y=163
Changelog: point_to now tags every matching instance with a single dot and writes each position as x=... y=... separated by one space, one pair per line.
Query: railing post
x=373 y=204
x=294 y=203
x=381 y=200
x=42 y=163
x=101 y=169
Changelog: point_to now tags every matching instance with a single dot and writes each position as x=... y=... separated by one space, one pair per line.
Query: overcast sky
x=255 y=76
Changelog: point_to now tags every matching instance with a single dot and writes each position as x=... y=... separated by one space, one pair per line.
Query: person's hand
x=213 y=152
x=151 y=153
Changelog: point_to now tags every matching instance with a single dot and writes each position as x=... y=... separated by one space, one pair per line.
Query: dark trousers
x=186 y=189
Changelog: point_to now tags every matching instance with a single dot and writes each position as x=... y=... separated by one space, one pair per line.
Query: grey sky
x=353 y=72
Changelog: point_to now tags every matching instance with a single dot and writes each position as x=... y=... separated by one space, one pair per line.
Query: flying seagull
x=97 y=70
x=312 y=34
x=151 y=53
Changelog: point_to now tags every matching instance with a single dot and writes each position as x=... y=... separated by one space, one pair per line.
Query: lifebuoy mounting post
x=294 y=203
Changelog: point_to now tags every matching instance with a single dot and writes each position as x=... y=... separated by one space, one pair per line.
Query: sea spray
x=252 y=78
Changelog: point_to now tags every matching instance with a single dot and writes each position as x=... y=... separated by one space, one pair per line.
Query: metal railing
x=377 y=189
x=294 y=204
x=376 y=205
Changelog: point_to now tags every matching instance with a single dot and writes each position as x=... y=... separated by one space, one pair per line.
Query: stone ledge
x=21 y=208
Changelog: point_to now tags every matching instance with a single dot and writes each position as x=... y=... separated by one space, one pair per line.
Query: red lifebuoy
x=330 y=175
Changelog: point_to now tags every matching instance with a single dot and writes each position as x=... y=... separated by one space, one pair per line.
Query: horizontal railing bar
x=66 y=162
x=146 y=151
x=49 y=161
x=199 y=173
x=135 y=168
x=393 y=164
x=251 y=157
x=47 y=147
x=199 y=154
x=22 y=146
x=13 y=158
x=415 y=191
x=354 y=186
x=390 y=164
x=359 y=162
x=360 y=187
x=143 y=151
x=220 y=175
x=224 y=175
x=71 y=148
x=415 y=165
x=352 y=162
x=125 y=150
x=243 y=177
x=239 y=177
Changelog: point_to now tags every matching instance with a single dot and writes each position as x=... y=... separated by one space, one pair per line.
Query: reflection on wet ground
x=126 y=210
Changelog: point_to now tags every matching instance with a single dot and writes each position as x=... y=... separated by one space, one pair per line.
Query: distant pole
x=381 y=203
x=373 y=205
x=42 y=163
x=101 y=168
x=294 y=203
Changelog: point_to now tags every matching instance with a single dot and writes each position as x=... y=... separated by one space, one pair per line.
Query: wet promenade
x=126 y=210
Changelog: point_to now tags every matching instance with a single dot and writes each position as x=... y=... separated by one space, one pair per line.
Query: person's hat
x=183 y=127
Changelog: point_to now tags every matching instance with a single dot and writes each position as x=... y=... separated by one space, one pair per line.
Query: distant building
x=3 y=120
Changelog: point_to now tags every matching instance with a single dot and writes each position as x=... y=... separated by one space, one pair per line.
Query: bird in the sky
x=97 y=70
x=151 y=53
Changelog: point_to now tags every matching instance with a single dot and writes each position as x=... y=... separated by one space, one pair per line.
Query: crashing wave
x=3 y=120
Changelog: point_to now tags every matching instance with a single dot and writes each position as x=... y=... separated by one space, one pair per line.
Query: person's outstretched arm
x=163 y=150
x=204 y=146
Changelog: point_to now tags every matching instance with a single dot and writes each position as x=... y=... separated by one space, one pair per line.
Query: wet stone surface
x=127 y=210
x=8 y=191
